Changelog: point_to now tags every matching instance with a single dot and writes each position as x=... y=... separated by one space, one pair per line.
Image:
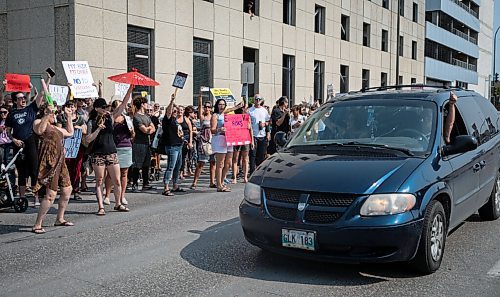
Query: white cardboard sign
x=59 y=94
x=121 y=90
x=79 y=75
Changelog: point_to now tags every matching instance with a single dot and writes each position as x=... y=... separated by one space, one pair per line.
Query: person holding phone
x=52 y=171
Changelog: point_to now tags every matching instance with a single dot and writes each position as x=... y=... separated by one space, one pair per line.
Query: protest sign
x=121 y=90
x=180 y=80
x=72 y=144
x=59 y=93
x=237 y=132
x=78 y=73
x=17 y=82
x=225 y=94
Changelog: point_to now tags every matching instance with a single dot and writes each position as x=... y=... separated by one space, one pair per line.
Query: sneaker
x=37 y=204
x=106 y=201
x=134 y=188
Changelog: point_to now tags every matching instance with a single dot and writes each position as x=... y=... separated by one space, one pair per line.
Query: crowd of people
x=122 y=141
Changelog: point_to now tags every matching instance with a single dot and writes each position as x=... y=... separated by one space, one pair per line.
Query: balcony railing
x=464 y=64
x=465 y=7
x=463 y=35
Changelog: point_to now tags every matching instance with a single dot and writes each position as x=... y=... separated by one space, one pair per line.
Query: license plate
x=298 y=239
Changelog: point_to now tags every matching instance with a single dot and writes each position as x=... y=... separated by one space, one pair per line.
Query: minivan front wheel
x=431 y=247
x=491 y=210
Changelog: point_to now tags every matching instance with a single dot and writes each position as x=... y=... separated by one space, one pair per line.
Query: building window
x=344 y=79
x=415 y=12
x=402 y=8
x=413 y=80
x=319 y=80
x=414 y=50
x=288 y=85
x=385 y=4
x=140 y=55
x=202 y=67
x=252 y=56
x=383 y=79
x=385 y=40
x=400 y=80
x=319 y=19
x=251 y=7
x=400 y=46
x=344 y=21
x=365 y=79
x=366 y=34
x=289 y=12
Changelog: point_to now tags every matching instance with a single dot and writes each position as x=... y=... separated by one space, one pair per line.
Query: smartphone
x=50 y=72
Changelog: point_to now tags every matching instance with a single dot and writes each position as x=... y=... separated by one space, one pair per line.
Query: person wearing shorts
x=103 y=149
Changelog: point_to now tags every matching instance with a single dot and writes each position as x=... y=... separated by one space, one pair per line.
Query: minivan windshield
x=398 y=124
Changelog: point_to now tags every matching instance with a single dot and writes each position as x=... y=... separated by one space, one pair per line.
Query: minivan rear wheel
x=432 y=242
x=491 y=210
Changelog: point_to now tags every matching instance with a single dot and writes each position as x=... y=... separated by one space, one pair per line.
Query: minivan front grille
x=283 y=205
x=282 y=213
x=331 y=199
x=285 y=196
x=321 y=217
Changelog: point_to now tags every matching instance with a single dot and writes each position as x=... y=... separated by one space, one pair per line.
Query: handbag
x=207 y=148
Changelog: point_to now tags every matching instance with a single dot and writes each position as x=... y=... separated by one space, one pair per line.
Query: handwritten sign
x=78 y=73
x=121 y=90
x=237 y=132
x=72 y=144
x=226 y=94
x=17 y=82
x=59 y=94
x=180 y=80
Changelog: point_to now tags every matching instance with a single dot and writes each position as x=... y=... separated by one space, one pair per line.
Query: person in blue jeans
x=173 y=138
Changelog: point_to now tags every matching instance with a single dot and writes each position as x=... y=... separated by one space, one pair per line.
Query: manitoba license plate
x=298 y=239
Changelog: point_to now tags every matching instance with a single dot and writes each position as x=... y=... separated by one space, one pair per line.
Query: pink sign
x=237 y=129
x=17 y=82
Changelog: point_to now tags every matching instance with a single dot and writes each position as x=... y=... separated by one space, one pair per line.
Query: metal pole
x=494 y=50
x=398 y=29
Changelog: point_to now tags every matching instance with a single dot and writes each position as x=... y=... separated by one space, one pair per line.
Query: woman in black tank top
x=103 y=149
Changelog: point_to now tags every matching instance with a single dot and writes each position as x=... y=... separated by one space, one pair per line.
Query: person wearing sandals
x=173 y=138
x=123 y=133
x=103 y=149
x=52 y=171
x=203 y=143
x=223 y=152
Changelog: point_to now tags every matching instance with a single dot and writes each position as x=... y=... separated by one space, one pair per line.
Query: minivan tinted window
x=405 y=124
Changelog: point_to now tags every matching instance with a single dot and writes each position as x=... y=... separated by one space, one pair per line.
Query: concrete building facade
x=298 y=46
x=458 y=45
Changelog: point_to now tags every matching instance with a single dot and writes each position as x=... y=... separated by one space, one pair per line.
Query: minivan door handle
x=476 y=167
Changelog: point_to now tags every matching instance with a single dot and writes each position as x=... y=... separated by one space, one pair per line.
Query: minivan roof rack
x=383 y=88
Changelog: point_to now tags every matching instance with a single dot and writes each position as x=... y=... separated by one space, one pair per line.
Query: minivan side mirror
x=461 y=144
x=280 y=139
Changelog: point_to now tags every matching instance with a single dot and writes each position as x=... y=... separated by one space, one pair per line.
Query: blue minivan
x=369 y=178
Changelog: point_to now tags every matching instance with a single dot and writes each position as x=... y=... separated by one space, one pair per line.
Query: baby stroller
x=7 y=190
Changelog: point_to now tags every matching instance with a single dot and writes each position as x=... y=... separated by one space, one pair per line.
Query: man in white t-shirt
x=260 y=125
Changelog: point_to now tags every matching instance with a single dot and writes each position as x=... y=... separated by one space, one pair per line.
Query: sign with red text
x=237 y=129
x=17 y=82
x=79 y=75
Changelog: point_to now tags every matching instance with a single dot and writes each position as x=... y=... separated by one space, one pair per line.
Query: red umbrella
x=134 y=78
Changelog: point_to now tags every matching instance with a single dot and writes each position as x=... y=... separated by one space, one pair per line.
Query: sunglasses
x=4 y=112
x=207 y=106
x=21 y=97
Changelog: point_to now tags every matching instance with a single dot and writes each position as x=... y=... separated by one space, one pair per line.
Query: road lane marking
x=495 y=270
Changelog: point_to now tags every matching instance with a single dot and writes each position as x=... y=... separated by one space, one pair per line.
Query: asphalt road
x=193 y=245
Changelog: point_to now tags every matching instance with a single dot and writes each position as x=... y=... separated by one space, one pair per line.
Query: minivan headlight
x=252 y=193
x=387 y=204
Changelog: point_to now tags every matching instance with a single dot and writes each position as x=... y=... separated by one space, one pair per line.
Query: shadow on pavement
x=223 y=249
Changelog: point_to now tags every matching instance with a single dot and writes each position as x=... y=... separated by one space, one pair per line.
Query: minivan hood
x=335 y=173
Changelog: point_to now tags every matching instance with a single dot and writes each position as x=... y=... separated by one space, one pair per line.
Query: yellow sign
x=221 y=92
x=144 y=94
